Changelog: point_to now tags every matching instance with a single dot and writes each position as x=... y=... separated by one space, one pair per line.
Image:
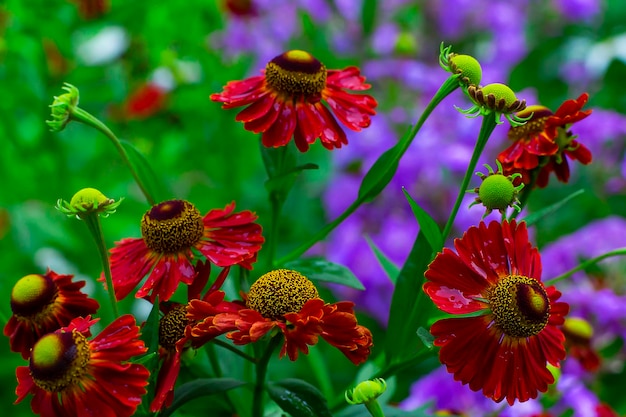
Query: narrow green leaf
x=319 y=269
x=427 y=225
x=388 y=266
x=538 y=215
x=155 y=187
x=380 y=174
x=298 y=398
x=203 y=387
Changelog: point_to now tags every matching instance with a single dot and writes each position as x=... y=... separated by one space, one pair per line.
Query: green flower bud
x=63 y=107
x=466 y=67
x=496 y=98
x=366 y=391
x=497 y=192
x=87 y=201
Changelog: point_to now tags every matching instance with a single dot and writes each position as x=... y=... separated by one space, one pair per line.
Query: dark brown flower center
x=59 y=360
x=520 y=306
x=296 y=73
x=172 y=327
x=280 y=292
x=33 y=295
x=172 y=226
x=532 y=127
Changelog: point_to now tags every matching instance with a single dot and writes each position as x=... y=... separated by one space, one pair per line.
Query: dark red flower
x=287 y=100
x=286 y=300
x=171 y=230
x=72 y=376
x=508 y=332
x=42 y=304
x=174 y=335
x=543 y=143
x=578 y=333
x=92 y=9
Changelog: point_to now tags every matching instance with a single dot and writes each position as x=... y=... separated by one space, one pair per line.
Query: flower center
x=59 y=360
x=535 y=125
x=296 y=73
x=520 y=306
x=172 y=226
x=172 y=327
x=280 y=292
x=32 y=294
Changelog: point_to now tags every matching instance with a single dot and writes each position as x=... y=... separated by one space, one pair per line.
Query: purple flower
x=577 y=10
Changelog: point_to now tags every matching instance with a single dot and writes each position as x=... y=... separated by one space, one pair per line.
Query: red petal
x=281 y=131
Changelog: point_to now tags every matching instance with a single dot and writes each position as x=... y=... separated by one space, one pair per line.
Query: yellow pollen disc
x=59 y=360
x=29 y=288
x=527 y=131
x=172 y=327
x=520 y=306
x=172 y=226
x=296 y=74
x=47 y=350
x=279 y=292
x=298 y=55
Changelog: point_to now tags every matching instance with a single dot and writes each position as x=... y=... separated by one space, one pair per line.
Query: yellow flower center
x=59 y=360
x=172 y=226
x=280 y=292
x=296 y=73
x=32 y=295
x=172 y=327
x=520 y=306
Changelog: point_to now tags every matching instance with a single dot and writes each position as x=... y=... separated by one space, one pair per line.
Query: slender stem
x=234 y=350
x=586 y=264
x=446 y=89
x=85 y=117
x=487 y=127
x=261 y=373
x=374 y=408
x=93 y=224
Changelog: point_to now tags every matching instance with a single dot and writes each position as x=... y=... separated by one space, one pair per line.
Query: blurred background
x=147 y=70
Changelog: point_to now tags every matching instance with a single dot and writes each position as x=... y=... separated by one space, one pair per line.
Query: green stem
x=446 y=89
x=234 y=350
x=261 y=373
x=92 y=220
x=487 y=127
x=586 y=264
x=374 y=408
x=83 y=116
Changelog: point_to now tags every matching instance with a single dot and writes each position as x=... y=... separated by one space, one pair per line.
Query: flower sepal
x=88 y=201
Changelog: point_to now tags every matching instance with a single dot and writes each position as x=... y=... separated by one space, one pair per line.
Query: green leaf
x=203 y=387
x=538 y=215
x=155 y=187
x=426 y=337
x=381 y=173
x=150 y=330
x=388 y=266
x=298 y=398
x=427 y=225
x=319 y=269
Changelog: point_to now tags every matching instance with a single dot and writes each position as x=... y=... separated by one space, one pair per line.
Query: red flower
x=144 y=101
x=288 y=301
x=287 y=99
x=578 y=333
x=509 y=331
x=541 y=143
x=42 y=304
x=170 y=231
x=174 y=336
x=92 y=9
x=70 y=375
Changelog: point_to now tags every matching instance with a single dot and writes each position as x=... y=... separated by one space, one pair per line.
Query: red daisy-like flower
x=72 y=376
x=42 y=304
x=171 y=230
x=543 y=142
x=286 y=300
x=509 y=332
x=287 y=100
x=174 y=335
x=578 y=333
